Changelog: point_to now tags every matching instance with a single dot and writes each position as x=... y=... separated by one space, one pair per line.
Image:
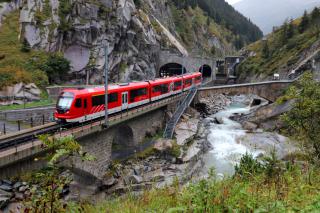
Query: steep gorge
x=134 y=32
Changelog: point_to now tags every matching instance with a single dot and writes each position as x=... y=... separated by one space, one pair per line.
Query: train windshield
x=65 y=100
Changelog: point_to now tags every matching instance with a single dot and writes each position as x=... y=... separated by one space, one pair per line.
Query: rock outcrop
x=81 y=29
x=19 y=93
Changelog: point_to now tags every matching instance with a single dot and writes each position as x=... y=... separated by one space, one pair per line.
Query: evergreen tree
x=208 y=21
x=265 y=49
x=284 y=32
x=290 y=31
x=315 y=15
x=304 y=22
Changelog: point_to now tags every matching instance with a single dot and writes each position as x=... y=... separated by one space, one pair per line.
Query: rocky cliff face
x=133 y=31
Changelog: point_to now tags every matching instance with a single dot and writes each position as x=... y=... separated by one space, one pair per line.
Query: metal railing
x=168 y=132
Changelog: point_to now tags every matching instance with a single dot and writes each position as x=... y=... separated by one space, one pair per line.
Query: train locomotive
x=84 y=104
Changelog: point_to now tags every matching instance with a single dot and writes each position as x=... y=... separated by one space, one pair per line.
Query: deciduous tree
x=303 y=121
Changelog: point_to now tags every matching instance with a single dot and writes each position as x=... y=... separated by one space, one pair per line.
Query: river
x=230 y=141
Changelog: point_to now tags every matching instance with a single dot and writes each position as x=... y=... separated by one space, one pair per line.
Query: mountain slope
x=283 y=50
x=134 y=31
x=225 y=15
x=272 y=13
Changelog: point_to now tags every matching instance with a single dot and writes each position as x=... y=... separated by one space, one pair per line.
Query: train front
x=64 y=103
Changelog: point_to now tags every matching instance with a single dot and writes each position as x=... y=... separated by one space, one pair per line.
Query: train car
x=160 y=88
x=197 y=79
x=177 y=85
x=79 y=105
x=187 y=82
x=83 y=104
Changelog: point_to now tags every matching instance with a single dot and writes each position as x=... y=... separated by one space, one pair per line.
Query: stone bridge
x=269 y=90
x=172 y=63
x=124 y=137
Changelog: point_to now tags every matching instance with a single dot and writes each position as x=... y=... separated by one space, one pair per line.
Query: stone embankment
x=157 y=166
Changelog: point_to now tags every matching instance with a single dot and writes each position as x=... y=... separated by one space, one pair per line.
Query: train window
x=162 y=88
x=156 y=88
x=188 y=82
x=85 y=103
x=78 y=103
x=100 y=99
x=198 y=78
x=137 y=92
x=177 y=84
x=112 y=97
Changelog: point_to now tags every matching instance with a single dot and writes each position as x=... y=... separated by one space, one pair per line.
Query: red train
x=80 y=105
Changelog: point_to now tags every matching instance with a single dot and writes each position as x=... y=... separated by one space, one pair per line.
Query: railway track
x=24 y=136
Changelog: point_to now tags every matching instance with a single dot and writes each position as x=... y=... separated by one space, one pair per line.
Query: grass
x=41 y=103
x=16 y=65
x=294 y=190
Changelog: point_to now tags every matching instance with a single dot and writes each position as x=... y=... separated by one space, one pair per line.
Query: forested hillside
x=282 y=50
x=226 y=16
x=273 y=12
x=72 y=34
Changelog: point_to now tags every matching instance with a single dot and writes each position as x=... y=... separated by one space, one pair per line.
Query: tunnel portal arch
x=172 y=69
x=206 y=71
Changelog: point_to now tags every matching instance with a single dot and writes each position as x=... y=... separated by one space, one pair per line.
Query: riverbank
x=202 y=141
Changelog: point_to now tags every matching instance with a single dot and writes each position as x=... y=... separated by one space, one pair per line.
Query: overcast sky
x=232 y=1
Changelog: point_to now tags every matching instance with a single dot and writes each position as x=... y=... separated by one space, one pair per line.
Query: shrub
x=25 y=46
x=303 y=121
x=11 y=75
x=248 y=167
x=56 y=67
x=40 y=78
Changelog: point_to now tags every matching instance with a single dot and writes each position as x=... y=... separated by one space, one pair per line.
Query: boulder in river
x=4 y=198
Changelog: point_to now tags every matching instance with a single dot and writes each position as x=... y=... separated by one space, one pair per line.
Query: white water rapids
x=226 y=140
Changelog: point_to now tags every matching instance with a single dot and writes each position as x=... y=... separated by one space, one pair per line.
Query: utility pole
x=106 y=85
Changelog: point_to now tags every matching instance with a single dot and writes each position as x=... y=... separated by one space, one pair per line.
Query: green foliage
x=47 y=196
x=315 y=14
x=43 y=102
x=248 y=167
x=303 y=121
x=265 y=50
x=175 y=150
x=190 y=21
x=41 y=78
x=291 y=30
x=56 y=67
x=25 y=46
x=11 y=75
x=293 y=190
x=224 y=14
x=65 y=9
x=304 y=22
x=285 y=47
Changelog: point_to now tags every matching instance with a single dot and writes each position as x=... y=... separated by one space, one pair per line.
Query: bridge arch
x=206 y=71
x=171 y=69
x=123 y=137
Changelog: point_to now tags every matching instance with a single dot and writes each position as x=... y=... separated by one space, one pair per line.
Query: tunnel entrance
x=206 y=71
x=172 y=69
